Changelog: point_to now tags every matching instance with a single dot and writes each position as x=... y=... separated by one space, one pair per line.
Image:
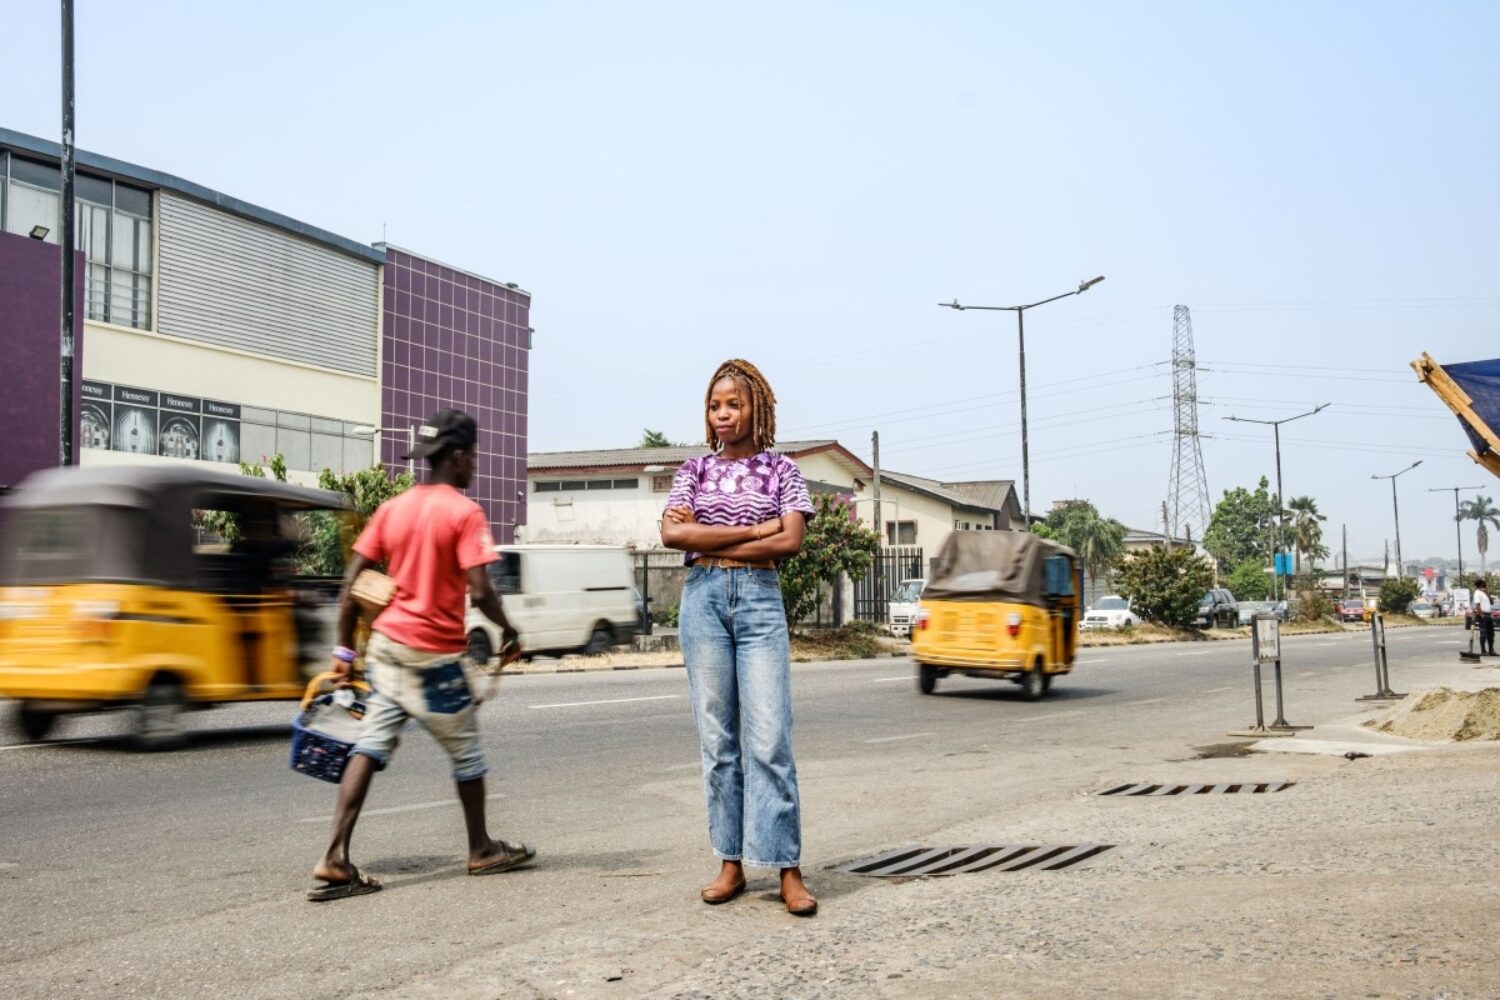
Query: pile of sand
x=1443 y=715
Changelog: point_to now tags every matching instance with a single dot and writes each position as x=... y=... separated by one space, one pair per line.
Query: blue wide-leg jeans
x=734 y=641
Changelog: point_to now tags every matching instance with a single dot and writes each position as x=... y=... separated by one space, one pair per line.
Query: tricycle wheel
x=926 y=678
x=34 y=722
x=1034 y=683
x=158 y=718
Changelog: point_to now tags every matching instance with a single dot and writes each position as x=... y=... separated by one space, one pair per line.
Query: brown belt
x=714 y=562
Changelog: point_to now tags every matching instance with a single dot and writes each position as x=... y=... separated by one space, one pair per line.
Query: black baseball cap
x=448 y=429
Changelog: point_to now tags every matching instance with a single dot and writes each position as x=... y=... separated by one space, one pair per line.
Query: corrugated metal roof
x=47 y=149
x=981 y=495
x=615 y=458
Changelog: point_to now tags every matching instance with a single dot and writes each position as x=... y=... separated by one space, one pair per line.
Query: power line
x=993 y=399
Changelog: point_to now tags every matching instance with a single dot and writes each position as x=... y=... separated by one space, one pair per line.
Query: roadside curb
x=898 y=654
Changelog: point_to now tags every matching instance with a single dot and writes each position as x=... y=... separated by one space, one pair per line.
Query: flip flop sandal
x=512 y=857
x=713 y=898
x=360 y=885
x=804 y=906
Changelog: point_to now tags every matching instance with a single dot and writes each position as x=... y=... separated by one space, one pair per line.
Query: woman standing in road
x=737 y=512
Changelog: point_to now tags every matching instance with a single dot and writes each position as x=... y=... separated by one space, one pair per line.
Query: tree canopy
x=1243 y=526
x=1098 y=540
x=1306 y=530
x=656 y=439
x=836 y=543
x=1165 y=584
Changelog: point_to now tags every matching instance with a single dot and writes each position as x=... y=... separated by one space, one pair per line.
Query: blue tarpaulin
x=1481 y=380
x=1472 y=391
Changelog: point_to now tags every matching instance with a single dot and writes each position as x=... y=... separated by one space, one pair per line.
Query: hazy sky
x=799 y=184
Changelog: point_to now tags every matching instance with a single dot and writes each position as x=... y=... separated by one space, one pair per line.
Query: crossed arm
x=778 y=538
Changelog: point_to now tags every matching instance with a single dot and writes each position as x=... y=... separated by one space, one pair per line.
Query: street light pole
x=68 y=237
x=1020 y=312
x=1280 y=496
x=1396 y=509
x=411 y=440
x=1458 y=528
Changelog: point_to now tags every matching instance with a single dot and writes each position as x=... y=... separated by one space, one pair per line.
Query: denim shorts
x=432 y=688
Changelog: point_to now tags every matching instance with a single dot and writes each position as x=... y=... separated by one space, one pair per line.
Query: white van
x=561 y=598
x=902 y=611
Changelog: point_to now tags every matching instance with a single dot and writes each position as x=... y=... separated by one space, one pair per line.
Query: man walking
x=1484 y=619
x=435 y=543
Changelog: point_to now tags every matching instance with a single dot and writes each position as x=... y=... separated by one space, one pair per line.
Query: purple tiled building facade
x=453 y=339
x=30 y=344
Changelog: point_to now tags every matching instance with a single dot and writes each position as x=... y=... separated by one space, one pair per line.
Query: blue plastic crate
x=319 y=754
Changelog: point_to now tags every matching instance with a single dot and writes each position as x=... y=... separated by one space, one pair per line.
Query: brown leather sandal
x=713 y=895
x=801 y=906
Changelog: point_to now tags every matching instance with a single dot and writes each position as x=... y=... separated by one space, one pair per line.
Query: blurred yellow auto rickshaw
x=113 y=594
x=1000 y=604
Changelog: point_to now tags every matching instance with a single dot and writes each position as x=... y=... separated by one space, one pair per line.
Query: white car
x=1110 y=611
x=902 y=611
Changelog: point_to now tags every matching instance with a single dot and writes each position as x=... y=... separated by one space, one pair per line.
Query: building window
x=578 y=485
x=113 y=229
x=661 y=484
x=901 y=532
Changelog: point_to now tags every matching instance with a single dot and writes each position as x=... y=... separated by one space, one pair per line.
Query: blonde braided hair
x=762 y=403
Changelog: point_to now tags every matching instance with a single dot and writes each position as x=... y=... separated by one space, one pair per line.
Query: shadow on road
x=197 y=741
x=1009 y=692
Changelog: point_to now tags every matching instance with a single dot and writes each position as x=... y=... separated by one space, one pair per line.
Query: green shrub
x=1249 y=582
x=666 y=616
x=1313 y=605
x=1165 y=584
x=1396 y=596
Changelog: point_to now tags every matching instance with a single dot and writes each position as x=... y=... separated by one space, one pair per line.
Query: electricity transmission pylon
x=1187 y=494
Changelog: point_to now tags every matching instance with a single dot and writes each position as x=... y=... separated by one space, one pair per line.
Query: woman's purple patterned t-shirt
x=739 y=491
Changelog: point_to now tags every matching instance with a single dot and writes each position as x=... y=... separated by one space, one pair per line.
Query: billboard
x=147 y=422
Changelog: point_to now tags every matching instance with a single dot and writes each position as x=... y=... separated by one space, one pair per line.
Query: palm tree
x=1483 y=510
x=1098 y=540
x=1307 y=530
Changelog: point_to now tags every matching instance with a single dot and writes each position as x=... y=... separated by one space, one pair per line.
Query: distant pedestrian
x=1484 y=619
x=436 y=544
x=737 y=512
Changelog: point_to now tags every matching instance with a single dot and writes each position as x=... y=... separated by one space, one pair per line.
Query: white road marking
x=890 y=680
x=1097 y=659
x=893 y=739
x=48 y=743
x=392 y=810
x=1217 y=690
x=1335 y=642
x=9 y=864
x=607 y=701
x=1201 y=652
x=1148 y=701
x=1052 y=715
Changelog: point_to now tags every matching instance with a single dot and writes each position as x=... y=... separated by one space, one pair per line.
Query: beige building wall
x=603 y=517
x=823 y=468
x=933 y=517
x=164 y=364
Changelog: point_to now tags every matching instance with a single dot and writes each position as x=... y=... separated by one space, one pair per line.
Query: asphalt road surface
x=175 y=874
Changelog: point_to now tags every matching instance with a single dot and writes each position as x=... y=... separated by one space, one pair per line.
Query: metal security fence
x=873 y=593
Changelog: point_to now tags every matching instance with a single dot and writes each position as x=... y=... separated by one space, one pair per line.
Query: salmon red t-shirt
x=429 y=538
